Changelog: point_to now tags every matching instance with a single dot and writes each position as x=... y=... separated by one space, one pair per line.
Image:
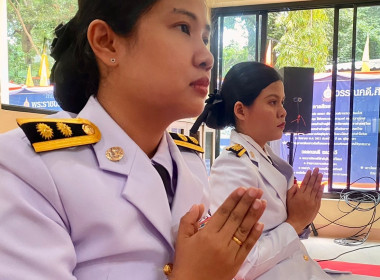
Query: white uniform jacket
x=74 y=214
x=279 y=253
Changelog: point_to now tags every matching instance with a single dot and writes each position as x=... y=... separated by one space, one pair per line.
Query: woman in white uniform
x=100 y=190
x=251 y=101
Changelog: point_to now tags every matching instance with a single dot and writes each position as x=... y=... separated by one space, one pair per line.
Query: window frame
x=263 y=10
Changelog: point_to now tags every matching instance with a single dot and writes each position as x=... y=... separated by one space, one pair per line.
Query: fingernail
x=252 y=192
x=192 y=208
x=259 y=226
x=241 y=191
x=256 y=204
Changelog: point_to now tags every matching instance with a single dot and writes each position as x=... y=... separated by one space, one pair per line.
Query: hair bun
x=213 y=102
x=62 y=40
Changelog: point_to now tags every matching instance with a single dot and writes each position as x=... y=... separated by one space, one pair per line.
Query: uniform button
x=115 y=153
x=305 y=257
x=167 y=269
x=88 y=129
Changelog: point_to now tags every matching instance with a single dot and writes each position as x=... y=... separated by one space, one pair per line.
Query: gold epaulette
x=52 y=134
x=238 y=149
x=186 y=141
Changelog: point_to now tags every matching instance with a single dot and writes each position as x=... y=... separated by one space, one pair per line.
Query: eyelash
x=185 y=28
x=274 y=102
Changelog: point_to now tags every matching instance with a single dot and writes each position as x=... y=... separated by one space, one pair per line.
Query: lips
x=201 y=85
x=282 y=125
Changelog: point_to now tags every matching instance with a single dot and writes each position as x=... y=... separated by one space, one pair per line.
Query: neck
x=259 y=141
x=144 y=127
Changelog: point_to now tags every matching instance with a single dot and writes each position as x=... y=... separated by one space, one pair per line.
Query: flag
x=44 y=71
x=29 y=79
x=268 y=54
x=365 y=59
x=44 y=63
x=44 y=76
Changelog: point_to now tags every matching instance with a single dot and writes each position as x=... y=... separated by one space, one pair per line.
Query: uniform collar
x=163 y=156
x=112 y=136
x=264 y=152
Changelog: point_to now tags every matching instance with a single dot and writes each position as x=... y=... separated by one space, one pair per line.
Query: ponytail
x=243 y=82
x=75 y=73
x=212 y=114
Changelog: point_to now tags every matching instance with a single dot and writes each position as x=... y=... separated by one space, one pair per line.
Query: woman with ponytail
x=251 y=102
x=101 y=190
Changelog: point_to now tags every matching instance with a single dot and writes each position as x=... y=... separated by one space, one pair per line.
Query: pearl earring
x=113 y=60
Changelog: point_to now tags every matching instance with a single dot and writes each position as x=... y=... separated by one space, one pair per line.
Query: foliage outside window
x=31 y=25
x=30 y=32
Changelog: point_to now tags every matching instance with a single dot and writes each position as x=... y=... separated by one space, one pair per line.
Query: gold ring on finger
x=237 y=240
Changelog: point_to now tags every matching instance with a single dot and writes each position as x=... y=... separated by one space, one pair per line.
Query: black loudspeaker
x=298 y=84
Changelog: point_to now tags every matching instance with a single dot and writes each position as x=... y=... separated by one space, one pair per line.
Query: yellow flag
x=43 y=77
x=365 y=59
x=29 y=79
x=44 y=63
x=44 y=68
x=44 y=71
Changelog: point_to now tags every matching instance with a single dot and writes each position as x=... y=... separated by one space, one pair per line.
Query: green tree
x=30 y=24
x=235 y=52
x=306 y=40
x=368 y=22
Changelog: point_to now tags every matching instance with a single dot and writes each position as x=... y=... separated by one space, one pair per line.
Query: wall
x=8 y=119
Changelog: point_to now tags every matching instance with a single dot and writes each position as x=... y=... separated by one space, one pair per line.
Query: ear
x=240 y=111
x=102 y=41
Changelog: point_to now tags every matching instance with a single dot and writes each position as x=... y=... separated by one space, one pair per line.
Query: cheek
x=266 y=119
x=262 y=116
x=166 y=53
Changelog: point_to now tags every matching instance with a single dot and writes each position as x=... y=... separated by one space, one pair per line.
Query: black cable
x=368 y=247
x=333 y=222
x=354 y=199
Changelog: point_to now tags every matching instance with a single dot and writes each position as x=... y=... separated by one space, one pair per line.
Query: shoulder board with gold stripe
x=238 y=149
x=186 y=141
x=52 y=134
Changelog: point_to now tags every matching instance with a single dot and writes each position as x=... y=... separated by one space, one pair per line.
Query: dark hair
x=75 y=73
x=243 y=82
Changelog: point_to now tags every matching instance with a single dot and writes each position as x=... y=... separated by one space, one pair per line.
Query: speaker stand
x=290 y=146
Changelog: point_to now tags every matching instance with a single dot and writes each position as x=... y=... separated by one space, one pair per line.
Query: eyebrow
x=190 y=15
x=274 y=95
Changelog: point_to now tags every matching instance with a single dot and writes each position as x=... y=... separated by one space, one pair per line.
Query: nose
x=282 y=112
x=203 y=58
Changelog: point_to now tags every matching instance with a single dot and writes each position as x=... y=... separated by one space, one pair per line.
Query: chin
x=277 y=137
x=193 y=110
x=187 y=113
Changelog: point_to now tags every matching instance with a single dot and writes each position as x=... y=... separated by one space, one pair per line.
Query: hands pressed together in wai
x=303 y=202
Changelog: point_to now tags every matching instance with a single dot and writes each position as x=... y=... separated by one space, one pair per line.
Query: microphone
x=297 y=99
